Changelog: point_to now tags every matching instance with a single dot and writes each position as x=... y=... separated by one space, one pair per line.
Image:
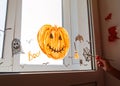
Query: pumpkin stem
x=56 y=26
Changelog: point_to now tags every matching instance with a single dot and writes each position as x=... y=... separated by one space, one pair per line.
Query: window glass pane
x=34 y=15
x=3 y=8
x=75 y=16
x=81 y=37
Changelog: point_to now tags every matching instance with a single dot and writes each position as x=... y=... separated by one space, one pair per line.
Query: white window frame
x=11 y=63
x=67 y=24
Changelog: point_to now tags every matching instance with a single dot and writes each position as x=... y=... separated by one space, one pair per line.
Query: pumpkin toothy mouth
x=54 y=49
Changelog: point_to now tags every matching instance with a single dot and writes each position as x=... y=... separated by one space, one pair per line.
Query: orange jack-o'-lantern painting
x=54 y=41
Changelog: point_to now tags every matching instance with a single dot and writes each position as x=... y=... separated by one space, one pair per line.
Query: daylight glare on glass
x=3 y=8
x=35 y=14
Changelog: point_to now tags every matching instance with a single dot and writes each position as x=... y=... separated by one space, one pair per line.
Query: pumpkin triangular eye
x=51 y=36
x=60 y=38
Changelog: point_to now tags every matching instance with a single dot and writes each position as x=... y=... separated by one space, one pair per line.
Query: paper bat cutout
x=79 y=38
x=46 y=63
x=112 y=34
x=29 y=41
x=108 y=17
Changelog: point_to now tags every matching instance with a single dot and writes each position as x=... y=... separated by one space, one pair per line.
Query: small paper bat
x=79 y=38
x=29 y=41
x=108 y=17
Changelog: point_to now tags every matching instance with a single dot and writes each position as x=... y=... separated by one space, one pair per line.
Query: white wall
x=111 y=50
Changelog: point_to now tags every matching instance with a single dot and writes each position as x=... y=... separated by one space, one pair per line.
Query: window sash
x=15 y=33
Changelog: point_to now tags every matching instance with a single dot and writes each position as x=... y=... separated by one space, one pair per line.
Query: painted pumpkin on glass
x=53 y=41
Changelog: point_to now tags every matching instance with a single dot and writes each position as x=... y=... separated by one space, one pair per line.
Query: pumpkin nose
x=60 y=38
x=51 y=36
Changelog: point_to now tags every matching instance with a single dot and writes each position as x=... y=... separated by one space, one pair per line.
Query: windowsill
x=49 y=72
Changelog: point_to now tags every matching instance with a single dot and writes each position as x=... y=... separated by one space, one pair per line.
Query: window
x=26 y=53
x=40 y=12
x=3 y=10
